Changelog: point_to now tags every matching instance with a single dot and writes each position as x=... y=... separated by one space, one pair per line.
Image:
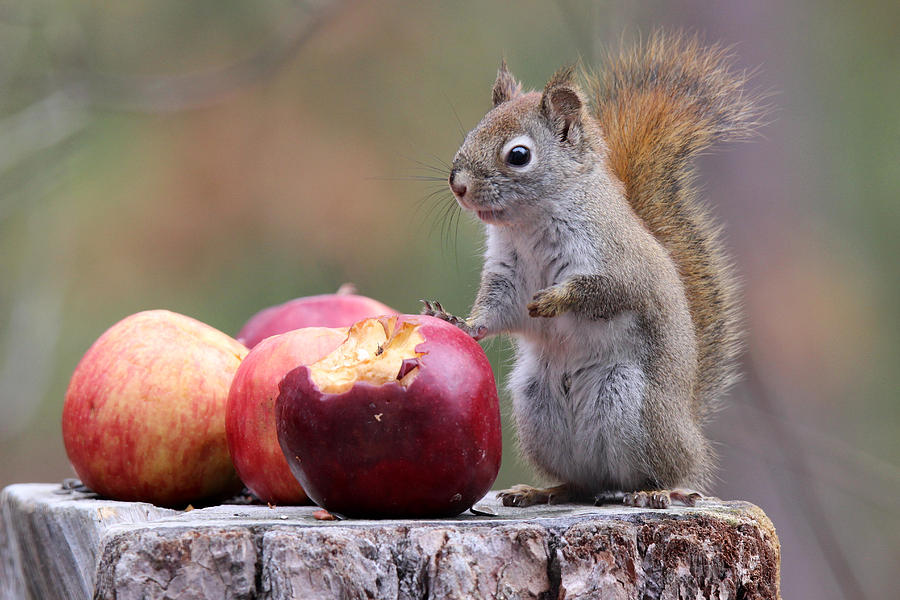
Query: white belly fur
x=592 y=435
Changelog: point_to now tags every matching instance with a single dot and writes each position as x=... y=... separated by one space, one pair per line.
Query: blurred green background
x=217 y=157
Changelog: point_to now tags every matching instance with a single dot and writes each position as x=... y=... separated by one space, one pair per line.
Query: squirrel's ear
x=506 y=87
x=562 y=103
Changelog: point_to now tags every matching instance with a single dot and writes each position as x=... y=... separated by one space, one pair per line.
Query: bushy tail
x=660 y=104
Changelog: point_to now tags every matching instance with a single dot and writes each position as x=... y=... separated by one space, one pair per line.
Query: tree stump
x=71 y=546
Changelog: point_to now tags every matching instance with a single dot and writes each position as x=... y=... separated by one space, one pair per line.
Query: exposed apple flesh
x=144 y=413
x=250 y=412
x=401 y=420
x=326 y=310
x=370 y=354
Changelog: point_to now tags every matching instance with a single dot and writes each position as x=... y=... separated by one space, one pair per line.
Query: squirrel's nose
x=457 y=183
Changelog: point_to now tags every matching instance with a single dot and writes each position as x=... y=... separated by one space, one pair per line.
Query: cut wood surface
x=72 y=545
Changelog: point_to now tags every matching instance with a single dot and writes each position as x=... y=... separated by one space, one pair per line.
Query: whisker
x=436 y=221
x=462 y=130
x=434 y=190
x=436 y=200
x=457 y=213
x=443 y=169
x=431 y=206
x=447 y=225
x=445 y=212
x=409 y=178
x=428 y=197
x=432 y=172
x=451 y=215
x=441 y=162
x=438 y=206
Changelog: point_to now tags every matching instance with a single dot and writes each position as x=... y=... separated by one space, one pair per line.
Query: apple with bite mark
x=341 y=309
x=401 y=420
x=250 y=412
x=144 y=413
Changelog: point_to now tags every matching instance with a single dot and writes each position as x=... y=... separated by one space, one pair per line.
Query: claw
x=647 y=499
x=685 y=497
x=661 y=498
x=525 y=495
x=433 y=308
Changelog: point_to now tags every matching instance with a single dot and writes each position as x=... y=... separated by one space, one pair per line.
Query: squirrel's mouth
x=491 y=216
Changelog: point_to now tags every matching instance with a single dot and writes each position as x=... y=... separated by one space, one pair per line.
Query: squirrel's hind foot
x=661 y=498
x=525 y=495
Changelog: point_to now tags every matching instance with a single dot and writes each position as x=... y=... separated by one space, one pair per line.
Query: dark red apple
x=250 y=411
x=401 y=420
x=342 y=309
x=144 y=413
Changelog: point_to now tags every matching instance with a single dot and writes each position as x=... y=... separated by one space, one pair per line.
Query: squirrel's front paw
x=433 y=308
x=549 y=302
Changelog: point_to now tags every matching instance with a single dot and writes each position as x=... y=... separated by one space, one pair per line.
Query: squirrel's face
x=524 y=152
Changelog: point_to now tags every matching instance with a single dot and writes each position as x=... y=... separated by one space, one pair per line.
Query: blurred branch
x=36 y=178
x=172 y=93
x=829 y=475
x=41 y=125
x=56 y=115
x=593 y=25
x=12 y=15
x=836 y=449
x=32 y=332
x=802 y=490
x=64 y=111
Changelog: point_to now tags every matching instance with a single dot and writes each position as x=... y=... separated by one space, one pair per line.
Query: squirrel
x=607 y=268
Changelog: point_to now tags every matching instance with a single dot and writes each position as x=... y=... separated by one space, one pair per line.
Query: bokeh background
x=217 y=157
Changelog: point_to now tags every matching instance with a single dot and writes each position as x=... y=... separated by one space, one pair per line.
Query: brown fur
x=506 y=87
x=660 y=105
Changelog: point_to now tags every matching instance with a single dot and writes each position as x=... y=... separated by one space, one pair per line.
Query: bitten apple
x=401 y=420
x=250 y=412
x=144 y=414
x=342 y=309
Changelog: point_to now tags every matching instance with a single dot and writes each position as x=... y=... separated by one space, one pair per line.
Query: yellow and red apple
x=342 y=309
x=144 y=413
x=250 y=412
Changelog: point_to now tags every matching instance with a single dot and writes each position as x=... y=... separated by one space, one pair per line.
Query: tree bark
x=55 y=545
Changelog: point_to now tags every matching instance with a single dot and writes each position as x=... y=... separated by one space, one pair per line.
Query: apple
x=144 y=413
x=341 y=309
x=250 y=411
x=401 y=420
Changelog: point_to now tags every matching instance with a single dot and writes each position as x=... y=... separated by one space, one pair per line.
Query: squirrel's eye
x=518 y=156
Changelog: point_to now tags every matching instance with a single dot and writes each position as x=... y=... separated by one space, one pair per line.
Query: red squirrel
x=604 y=265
